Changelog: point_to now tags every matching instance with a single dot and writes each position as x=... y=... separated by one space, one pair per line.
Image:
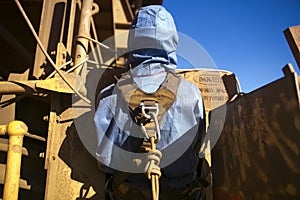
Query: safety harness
x=134 y=96
x=147 y=111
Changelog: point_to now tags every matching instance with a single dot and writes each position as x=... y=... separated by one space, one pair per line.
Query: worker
x=176 y=108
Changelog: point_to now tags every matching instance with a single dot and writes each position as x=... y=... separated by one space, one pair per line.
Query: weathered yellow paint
x=3 y=129
x=16 y=131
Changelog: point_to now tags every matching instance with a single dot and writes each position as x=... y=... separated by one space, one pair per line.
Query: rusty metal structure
x=51 y=50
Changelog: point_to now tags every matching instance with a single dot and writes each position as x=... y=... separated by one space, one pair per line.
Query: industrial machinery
x=56 y=55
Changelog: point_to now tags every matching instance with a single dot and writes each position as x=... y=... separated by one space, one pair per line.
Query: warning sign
x=211 y=85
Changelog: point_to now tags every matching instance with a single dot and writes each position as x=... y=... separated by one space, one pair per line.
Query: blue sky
x=245 y=37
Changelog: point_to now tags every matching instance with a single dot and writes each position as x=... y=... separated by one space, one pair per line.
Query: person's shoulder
x=187 y=83
x=188 y=87
x=105 y=93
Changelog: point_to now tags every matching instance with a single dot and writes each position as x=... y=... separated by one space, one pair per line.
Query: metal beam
x=54 y=84
x=83 y=30
x=292 y=35
x=7 y=87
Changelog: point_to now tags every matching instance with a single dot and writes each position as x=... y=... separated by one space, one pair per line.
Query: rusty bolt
x=46 y=118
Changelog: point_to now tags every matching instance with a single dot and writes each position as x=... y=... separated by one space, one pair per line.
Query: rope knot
x=152 y=167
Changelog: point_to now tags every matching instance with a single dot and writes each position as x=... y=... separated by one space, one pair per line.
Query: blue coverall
x=152 y=46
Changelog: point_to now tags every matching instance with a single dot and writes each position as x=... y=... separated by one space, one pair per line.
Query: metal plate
x=257 y=154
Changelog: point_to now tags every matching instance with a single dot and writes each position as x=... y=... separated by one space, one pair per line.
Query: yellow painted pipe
x=7 y=87
x=16 y=131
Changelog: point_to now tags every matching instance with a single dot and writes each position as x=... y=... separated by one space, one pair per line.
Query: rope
x=153 y=170
x=153 y=137
x=154 y=156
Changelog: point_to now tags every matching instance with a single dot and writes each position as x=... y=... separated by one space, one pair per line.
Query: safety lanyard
x=150 y=110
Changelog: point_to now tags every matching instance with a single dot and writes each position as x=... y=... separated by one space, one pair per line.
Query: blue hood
x=153 y=38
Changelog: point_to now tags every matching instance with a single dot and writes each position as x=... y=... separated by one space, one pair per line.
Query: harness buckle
x=147 y=109
x=151 y=112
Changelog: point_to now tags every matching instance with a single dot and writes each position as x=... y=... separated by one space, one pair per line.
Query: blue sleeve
x=103 y=119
